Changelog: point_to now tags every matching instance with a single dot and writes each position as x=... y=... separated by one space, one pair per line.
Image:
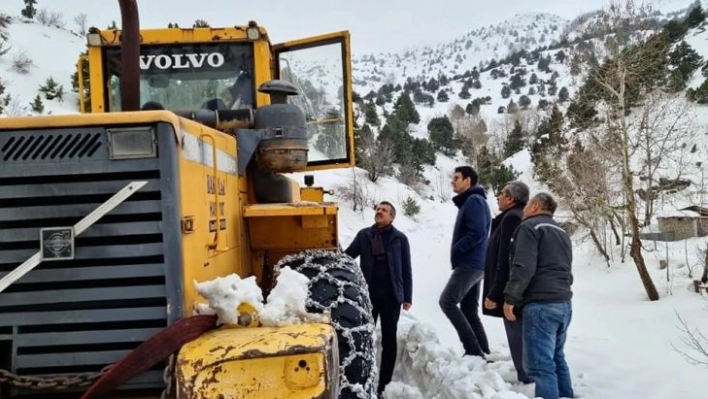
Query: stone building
x=685 y=223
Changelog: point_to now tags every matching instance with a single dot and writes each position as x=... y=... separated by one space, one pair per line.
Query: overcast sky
x=375 y=25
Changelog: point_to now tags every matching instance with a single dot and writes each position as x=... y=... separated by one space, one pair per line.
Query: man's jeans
x=545 y=326
x=464 y=288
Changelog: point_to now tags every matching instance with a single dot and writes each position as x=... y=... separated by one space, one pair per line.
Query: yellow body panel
x=223 y=228
x=290 y=362
x=213 y=244
x=72 y=120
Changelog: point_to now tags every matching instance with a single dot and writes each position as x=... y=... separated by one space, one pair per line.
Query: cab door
x=320 y=67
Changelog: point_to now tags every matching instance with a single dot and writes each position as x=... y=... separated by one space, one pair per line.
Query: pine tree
x=473 y=108
x=370 y=115
x=492 y=172
x=441 y=135
x=52 y=89
x=696 y=16
x=505 y=91
x=524 y=101
x=37 y=105
x=475 y=73
x=683 y=60
x=442 y=96
x=405 y=109
x=29 y=11
x=200 y=23
x=515 y=142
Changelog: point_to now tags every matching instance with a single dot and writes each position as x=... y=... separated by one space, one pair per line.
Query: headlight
x=253 y=33
x=93 y=39
x=129 y=143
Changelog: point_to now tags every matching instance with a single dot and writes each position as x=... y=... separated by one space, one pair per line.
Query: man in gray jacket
x=539 y=287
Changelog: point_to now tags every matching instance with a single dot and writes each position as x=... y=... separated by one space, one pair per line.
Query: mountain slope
x=626 y=352
x=27 y=66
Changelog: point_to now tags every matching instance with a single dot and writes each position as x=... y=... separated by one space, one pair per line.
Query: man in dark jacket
x=469 y=245
x=511 y=201
x=539 y=287
x=386 y=265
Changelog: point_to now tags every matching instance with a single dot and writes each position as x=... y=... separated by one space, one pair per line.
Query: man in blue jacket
x=386 y=265
x=469 y=246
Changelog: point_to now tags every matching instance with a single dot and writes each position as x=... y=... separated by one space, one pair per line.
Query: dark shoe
x=526 y=382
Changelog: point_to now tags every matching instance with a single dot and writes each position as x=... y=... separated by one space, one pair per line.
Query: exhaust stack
x=130 y=56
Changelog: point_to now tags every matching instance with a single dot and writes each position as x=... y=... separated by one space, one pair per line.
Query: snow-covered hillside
x=474 y=49
x=620 y=345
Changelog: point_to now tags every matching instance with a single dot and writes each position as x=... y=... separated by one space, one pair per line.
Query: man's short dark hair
x=151 y=105
x=546 y=202
x=518 y=191
x=467 y=171
x=393 y=208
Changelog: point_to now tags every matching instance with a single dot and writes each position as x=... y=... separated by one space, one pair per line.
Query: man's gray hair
x=546 y=202
x=518 y=191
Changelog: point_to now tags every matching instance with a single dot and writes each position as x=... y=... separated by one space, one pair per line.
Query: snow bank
x=427 y=369
x=285 y=305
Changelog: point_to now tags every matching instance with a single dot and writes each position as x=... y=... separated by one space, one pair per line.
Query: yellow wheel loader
x=175 y=172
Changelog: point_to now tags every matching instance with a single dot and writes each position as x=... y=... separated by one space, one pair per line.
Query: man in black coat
x=386 y=265
x=511 y=201
x=539 y=287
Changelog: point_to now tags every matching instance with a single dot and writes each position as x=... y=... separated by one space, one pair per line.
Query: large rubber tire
x=337 y=286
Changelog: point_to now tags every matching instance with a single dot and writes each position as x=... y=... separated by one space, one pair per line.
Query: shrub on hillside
x=52 y=90
x=53 y=18
x=22 y=64
x=411 y=207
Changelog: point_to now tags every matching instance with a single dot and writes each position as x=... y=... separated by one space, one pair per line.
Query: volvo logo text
x=182 y=61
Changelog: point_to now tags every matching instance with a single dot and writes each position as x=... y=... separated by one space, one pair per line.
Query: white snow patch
x=286 y=302
x=285 y=305
x=428 y=369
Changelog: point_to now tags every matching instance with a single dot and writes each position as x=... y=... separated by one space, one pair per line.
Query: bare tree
x=580 y=176
x=696 y=342
x=53 y=18
x=358 y=192
x=353 y=191
x=442 y=185
x=14 y=107
x=375 y=156
x=664 y=147
x=615 y=87
x=471 y=134
x=81 y=22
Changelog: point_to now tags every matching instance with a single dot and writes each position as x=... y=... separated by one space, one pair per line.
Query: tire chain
x=341 y=261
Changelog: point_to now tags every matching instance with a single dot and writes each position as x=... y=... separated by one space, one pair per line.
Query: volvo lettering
x=181 y=61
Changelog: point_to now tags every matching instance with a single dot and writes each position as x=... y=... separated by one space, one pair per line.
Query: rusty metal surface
x=252 y=362
x=282 y=154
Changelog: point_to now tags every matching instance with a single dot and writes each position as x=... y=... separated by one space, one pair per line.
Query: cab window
x=187 y=76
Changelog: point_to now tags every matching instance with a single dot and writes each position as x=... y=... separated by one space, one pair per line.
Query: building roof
x=675 y=214
x=703 y=211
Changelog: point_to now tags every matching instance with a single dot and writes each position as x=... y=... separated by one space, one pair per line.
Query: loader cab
x=208 y=68
x=190 y=76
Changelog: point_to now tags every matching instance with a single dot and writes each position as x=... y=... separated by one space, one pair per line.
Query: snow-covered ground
x=620 y=345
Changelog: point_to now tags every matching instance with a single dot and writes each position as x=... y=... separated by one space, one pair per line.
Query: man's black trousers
x=385 y=305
